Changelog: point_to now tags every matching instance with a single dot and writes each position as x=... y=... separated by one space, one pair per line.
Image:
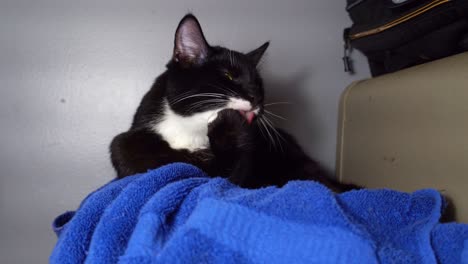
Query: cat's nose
x=251 y=99
x=250 y=96
x=254 y=100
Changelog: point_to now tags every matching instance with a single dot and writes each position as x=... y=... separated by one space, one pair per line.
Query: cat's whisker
x=271 y=123
x=261 y=130
x=277 y=134
x=211 y=100
x=275 y=115
x=194 y=109
x=273 y=138
x=234 y=93
x=220 y=88
x=266 y=135
x=203 y=103
x=278 y=103
x=177 y=97
x=224 y=88
x=272 y=141
x=214 y=95
x=262 y=127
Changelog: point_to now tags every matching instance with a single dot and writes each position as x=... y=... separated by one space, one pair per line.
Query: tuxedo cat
x=207 y=109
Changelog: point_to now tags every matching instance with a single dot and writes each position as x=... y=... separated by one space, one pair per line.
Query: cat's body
x=207 y=110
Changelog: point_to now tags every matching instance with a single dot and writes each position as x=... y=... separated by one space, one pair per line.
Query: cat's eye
x=228 y=76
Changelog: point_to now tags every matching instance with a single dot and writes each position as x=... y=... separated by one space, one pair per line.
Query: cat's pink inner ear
x=190 y=44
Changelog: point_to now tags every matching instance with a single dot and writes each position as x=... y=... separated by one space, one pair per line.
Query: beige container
x=409 y=130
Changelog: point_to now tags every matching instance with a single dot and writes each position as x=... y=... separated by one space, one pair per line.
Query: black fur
x=239 y=150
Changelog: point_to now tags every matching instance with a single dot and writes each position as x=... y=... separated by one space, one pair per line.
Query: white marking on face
x=239 y=104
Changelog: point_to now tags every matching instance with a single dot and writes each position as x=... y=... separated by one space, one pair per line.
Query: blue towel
x=175 y=214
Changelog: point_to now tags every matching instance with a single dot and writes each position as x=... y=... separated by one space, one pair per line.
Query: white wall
x=73 y=72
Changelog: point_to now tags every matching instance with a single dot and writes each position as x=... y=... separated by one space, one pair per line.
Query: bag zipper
x=348 y=67
x=400 y=20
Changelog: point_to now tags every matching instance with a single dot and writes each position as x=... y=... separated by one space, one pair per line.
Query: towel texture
x=175 y=214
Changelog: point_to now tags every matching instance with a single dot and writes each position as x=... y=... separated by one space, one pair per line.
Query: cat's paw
x=227 y=118
x=229 y=131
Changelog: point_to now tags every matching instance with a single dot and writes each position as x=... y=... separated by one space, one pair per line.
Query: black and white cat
x=207 y=109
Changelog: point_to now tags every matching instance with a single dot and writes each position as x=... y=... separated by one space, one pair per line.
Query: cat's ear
x=256 y=54
x=190 y=46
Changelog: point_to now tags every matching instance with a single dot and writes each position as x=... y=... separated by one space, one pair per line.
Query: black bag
x=396 y=34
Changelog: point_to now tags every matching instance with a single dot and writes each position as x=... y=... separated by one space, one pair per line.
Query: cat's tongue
x=249 y=116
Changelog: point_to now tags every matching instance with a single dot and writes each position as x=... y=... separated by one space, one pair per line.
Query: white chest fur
x=183 y=132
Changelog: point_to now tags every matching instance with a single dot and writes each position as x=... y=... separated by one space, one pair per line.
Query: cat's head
x=203 y=77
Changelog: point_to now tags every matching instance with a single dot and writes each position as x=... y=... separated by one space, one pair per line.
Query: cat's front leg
x=230 y=132
x=232 y=142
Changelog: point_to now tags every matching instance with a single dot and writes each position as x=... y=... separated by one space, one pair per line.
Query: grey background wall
x=73 y=72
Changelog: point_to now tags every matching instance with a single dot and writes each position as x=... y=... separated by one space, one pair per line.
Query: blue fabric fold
x=176 y=214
